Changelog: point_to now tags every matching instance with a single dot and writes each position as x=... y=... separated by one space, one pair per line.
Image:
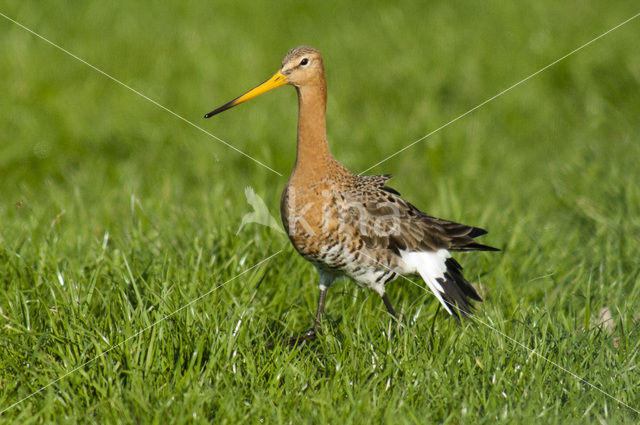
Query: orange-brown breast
x=311 y=208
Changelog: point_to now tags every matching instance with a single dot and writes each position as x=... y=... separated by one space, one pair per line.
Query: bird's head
x=301 y=66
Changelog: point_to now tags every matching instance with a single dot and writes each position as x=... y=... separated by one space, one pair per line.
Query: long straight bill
x=277 y=80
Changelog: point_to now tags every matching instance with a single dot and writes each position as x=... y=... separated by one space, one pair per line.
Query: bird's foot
x=306 y=336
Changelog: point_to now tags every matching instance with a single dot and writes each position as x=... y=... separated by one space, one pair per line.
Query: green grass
x=115 y=214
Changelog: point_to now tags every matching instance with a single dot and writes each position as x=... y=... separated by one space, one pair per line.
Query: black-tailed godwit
x=347 y=224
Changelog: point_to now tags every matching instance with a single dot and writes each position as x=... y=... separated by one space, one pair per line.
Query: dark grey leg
x=387 y=304
x=323 y=295
x=312 y=333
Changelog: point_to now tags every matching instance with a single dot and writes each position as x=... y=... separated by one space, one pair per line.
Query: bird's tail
x=443 y=275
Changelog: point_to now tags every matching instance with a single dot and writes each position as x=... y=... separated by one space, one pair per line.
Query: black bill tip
x=222 y=108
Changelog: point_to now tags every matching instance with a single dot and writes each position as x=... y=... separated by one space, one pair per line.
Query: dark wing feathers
x=391 y=222
x=477 y=232
x=385 y=220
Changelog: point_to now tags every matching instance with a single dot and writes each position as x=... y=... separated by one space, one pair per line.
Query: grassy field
x=127 y=294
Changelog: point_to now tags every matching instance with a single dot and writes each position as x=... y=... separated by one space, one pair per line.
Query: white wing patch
x=431 y=267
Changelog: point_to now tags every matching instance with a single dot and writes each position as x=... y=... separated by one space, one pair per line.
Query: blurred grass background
x=115 y=213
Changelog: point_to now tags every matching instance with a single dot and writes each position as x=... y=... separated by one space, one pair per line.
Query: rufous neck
x=313 y=152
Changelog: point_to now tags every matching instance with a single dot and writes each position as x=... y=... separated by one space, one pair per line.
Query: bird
x=353 y=225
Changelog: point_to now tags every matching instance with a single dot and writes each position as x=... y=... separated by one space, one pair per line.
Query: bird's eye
x=304 y=61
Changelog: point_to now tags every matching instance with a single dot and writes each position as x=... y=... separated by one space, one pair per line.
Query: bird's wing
x=385 y=220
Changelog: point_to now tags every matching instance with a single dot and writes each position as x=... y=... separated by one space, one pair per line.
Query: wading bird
x=353 y=225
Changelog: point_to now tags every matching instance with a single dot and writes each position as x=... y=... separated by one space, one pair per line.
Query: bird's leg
x=396 y=316
x=320 y=310
x=312 y=333
x=387 y=304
